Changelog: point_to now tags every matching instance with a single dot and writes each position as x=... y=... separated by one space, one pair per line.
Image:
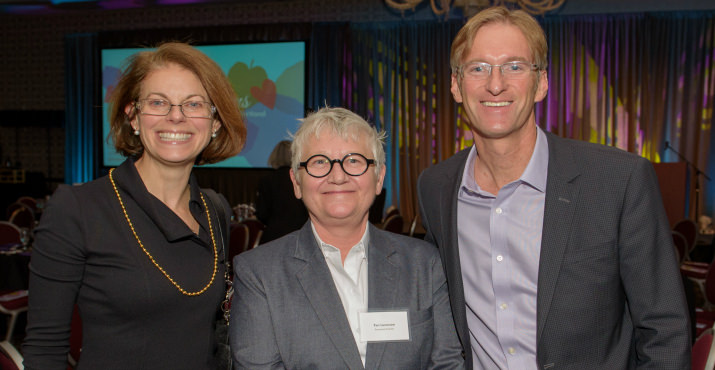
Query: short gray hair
x=344 y=124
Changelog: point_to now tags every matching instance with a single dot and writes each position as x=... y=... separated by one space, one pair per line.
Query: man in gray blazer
x=340 y=293
x=558 y=254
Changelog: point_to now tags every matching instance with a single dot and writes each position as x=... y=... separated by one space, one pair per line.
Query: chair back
x=75 y=339
x=391 y=210
x=681 y=246
x=10 y=358
x=24 y=218
x=10 y=233
x=255 y=230
x=11 y=208
x=238 y=241
x=709 y=285
x=394 y=224
x=30 y=202
x=703 y=353
x=689 y=229
x=413 y=224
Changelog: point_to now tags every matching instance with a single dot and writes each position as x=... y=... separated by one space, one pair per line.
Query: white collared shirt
x=351 y=282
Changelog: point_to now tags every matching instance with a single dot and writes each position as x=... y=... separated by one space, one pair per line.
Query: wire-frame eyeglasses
x=190 y=108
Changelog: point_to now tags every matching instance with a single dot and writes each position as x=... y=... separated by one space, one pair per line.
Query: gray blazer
x=286 y=312
x=610 y=294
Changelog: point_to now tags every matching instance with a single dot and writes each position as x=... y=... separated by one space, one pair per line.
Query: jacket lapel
x=561 y=201
x=320 y=290
x=383 y=282
x=450 y=251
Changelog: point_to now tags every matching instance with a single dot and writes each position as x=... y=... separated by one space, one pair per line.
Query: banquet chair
x=24 y=218
x=391 y=210
x=689 y=229
x=394 y=224
x=703 y=351
x=699 y=275
x=413 y=225
x=10 y=358
x=29 y=202
x=681 y=245
x=11 y=208
x=238 y=241
x=75 y=339
x=704 y=317
x=255 y=230
x=12 y=303
x=10 y=233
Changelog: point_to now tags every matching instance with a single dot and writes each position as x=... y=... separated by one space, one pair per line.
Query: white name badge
x=384 y=326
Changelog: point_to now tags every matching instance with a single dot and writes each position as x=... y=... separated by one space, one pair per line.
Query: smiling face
x=498 y=107
x=337 y=199
x=172 y=140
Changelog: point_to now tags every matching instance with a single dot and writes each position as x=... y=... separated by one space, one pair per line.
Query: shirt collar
x=360 y=247
x=130 y=183
x=535 y=173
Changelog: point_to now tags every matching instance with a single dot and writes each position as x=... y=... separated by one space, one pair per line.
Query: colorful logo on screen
x=253 y=86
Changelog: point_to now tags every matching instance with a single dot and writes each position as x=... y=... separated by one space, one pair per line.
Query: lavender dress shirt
x=499 y=249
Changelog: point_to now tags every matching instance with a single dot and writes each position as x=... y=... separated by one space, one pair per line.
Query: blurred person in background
x=276 y=204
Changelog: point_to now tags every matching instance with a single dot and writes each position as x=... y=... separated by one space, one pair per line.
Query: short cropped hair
x=280 y=156
x=531 y=29
x=232 y=134
x=344 y=124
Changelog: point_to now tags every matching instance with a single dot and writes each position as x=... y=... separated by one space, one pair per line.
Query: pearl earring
x=136 y=132
x=214 y=134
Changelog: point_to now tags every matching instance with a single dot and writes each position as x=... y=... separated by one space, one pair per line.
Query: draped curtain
x=633 y=81
x=397 y=76
x=80 y=92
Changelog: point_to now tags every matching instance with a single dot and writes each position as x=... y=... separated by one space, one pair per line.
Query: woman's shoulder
x=88 y=191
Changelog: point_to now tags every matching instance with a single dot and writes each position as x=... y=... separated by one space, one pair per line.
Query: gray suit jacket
x=610 y=294
x=286 y=312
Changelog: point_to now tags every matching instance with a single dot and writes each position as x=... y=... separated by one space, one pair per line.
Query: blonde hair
x=531 y=29
x=342 y=123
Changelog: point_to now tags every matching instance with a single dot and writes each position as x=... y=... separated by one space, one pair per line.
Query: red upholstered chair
x=704 y=317
x=11 y=208
x=703 y=351
x=75 y=339
x=391 y=210
x=689 y=229
x=10 y=233
x=255 y=230
x=24 y=218
x=28 y=201
x=413 y=225
x=12 y=303
x=699 y=275
x=394 y=224
x=238 y=241
x=10 y=358
x=681 y=245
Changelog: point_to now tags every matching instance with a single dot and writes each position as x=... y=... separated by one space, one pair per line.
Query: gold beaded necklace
x=131 y=226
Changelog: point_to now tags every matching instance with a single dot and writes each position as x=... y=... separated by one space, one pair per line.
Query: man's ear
x=455 y=88
x=542 y=87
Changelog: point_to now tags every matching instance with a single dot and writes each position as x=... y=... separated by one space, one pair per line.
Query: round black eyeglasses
x=319 y=165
